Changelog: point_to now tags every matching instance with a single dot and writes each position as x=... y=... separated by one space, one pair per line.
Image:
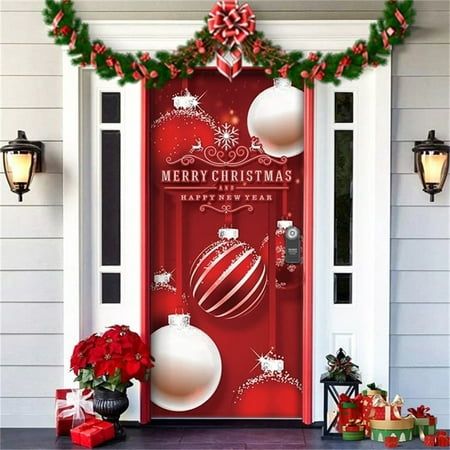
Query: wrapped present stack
x=371 y=414
x=73 y=407
x=348 y=411
x=75 y=417
x=424 y=423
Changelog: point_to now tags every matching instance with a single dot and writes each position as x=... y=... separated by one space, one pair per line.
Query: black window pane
x=110 y=287
x=110 y=107
x=110 y=198
x=343 y=180
x=343 y=107
x=342 y=288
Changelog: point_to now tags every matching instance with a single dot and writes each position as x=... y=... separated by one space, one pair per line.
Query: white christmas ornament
x=188 y=366
x=276 y=118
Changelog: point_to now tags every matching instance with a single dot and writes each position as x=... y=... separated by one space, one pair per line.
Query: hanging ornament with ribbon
x=230 y=24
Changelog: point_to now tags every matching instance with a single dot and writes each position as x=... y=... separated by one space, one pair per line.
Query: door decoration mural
x=225 y=306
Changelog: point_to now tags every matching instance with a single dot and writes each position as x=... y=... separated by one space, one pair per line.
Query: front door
x=226 y=188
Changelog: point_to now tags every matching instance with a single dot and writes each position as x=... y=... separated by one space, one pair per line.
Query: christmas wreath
x=229 y=34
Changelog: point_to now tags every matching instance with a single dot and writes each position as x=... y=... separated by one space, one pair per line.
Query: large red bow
x=231 y=23
x=420 y=412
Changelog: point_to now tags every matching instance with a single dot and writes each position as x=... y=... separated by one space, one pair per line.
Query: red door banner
x=224 y=243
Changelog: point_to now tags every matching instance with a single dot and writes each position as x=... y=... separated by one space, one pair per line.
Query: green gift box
x=353 y=435
x=427 y=424
x=402 y=428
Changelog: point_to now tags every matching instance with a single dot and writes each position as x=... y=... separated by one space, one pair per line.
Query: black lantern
x=21 y=160
x=431 y=162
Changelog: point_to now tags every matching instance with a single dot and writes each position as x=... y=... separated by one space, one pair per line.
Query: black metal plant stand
x=330 y=391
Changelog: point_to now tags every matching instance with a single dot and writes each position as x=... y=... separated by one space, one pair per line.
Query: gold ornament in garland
x=230 y=34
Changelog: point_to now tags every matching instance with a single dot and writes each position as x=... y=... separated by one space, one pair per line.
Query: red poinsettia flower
x=81 y=353
x=136 y=362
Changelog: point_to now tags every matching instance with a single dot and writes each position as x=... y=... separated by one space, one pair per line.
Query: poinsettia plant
x=111 y=360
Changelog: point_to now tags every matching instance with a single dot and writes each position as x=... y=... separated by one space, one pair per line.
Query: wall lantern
x=21 y=159
x=431 y=162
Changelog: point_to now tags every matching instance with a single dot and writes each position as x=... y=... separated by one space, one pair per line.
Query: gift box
x=92 y=433
x=402 y=428
x=425 y=423
x=348 y=411
x=72 y=408
x=353 y=431
x=382 y=409
x=373 y=389
x=373 y=405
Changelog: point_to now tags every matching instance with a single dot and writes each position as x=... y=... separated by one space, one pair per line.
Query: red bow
x=231 y=23
x=97 y=49
x=345 y=398
x=420 y=412
x=343 y=63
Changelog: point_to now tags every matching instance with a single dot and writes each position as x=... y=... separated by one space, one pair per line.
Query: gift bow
x=231 y=23
x=420 y=412
x=379 y=401
x=75 y=405
x=345 y=398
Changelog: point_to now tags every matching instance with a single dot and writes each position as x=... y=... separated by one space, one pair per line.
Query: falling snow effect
x=227 y=136
x=282 y=377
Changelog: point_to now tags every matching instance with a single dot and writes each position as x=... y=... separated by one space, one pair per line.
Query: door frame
x=152 y=35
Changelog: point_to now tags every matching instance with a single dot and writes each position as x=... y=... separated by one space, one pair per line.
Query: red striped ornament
x=228 y=278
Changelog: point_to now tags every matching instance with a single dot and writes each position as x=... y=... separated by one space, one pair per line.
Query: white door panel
x=361 y=327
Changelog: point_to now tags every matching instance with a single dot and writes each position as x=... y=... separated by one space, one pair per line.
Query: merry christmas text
x=226 y=176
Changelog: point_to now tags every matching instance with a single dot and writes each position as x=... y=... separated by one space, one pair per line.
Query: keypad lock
x=293 y=245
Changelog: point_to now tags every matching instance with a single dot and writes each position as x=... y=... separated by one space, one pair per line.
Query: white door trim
x=325 y=35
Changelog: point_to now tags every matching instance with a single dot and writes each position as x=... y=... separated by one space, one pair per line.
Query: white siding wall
x=31 y=233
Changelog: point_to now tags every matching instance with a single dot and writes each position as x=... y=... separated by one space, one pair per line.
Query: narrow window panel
x=110 y=107
x=110 y=198
x=343 y=201
x=110 y=287
x=343 y=107
x=343 y=288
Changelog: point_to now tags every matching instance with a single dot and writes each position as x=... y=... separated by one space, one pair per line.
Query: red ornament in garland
x=287 y=275
x=228 y=278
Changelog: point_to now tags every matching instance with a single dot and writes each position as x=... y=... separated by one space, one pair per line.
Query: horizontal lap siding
x=31 y=277
x=420 y=264
x=31 y=233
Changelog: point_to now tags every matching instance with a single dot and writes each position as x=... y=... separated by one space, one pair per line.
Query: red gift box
x=429 y=440
x=93 y=433
x=348 y=411
x=391 y=441
x=68 y=412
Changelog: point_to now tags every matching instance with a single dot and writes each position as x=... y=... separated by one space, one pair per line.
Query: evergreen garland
x=68 y=29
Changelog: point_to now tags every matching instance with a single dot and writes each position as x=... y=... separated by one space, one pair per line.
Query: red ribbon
x=283 y=71
x=385 y=35
x=318 y=71
x=343 y=63
x=229 y=63
x=173 y=71
x=401 y=20
x=231 y=23
x=57 y=19
x=420 y=412
x=361 y=49
x=73 y=40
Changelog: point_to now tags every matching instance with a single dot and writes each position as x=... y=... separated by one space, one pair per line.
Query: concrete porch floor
x=201 y=438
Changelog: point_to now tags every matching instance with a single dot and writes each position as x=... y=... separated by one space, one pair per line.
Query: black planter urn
x=110 y=405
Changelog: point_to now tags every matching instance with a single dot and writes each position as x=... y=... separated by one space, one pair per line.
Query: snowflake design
x=226 y=136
